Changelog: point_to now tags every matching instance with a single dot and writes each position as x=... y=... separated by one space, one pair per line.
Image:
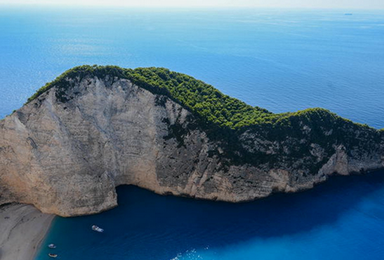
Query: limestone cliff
x=67 y=156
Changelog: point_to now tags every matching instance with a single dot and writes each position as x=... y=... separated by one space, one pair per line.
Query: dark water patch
x=149 y=226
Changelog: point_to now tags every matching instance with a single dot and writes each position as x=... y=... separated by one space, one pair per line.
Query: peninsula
x=97 y=127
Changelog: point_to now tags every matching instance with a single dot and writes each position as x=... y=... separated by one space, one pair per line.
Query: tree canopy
x=200 y=98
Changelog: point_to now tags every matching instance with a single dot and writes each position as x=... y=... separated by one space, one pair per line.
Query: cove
x=340 y=219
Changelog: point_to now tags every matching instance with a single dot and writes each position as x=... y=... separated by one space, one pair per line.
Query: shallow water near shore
x=340 y=219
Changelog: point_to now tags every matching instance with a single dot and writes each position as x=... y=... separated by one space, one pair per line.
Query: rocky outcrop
x=66 y=158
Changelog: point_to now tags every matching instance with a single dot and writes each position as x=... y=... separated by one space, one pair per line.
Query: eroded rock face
x=67 y=158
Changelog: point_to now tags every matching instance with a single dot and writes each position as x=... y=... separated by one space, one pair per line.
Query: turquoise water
x=277 y=59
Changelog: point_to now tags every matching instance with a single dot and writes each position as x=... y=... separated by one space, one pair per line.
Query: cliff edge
x=95 y=128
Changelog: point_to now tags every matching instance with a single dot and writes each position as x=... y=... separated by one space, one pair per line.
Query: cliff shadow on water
x=149 y=226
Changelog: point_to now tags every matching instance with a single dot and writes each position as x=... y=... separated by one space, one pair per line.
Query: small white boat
x=52 y=246
x=97 y=229
x=52 y=255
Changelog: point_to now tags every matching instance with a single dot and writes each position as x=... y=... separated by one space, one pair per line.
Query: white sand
x=22 y=229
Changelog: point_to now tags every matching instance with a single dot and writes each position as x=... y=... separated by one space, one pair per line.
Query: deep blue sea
x=341 y=219
x=282 y=60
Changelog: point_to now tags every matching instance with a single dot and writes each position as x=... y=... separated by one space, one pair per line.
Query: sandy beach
x=22 y=229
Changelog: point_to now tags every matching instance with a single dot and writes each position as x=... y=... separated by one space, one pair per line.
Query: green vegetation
x=197 y=96
x=200 y=98
x=224 y=118
x=62 y=81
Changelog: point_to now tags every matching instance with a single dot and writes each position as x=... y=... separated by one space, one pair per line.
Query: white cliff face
x=67 y=158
